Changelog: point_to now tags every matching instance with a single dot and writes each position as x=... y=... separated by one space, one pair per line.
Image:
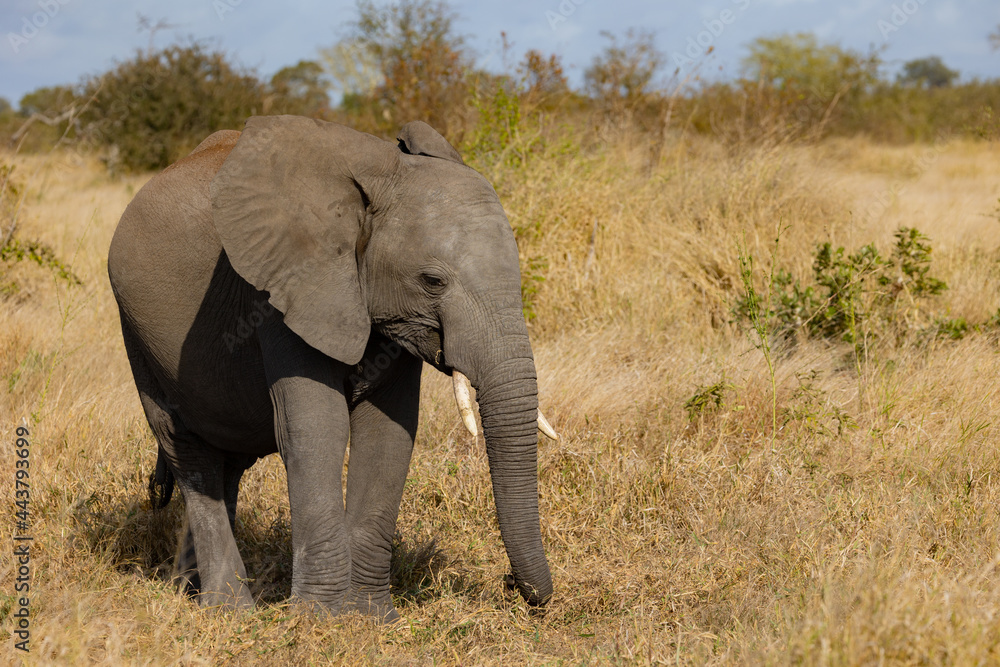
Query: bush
x=542 y=80
x=15 y=250
x=930 y=72
x=498 y=105
x=795 y=87
x=621 y=78
x=299 y=90
x=854 y=297
x=153 y=109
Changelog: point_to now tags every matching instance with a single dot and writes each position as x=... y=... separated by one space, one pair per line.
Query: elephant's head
x=347 y=232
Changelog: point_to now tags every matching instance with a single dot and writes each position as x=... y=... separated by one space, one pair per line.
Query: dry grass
x=866 y=535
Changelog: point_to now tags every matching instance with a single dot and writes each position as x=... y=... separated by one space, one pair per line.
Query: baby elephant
x=279 y=290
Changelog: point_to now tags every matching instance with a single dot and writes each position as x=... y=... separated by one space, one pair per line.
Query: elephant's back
x=172 y=213
x=165 y=248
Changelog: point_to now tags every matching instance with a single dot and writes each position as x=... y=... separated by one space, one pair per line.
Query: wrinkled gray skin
x=278 y=291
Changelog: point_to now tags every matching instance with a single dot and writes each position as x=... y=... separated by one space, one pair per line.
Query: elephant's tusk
x=545 y=427
x=463 y=396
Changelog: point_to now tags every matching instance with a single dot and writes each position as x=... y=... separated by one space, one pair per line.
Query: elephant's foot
x=229 y=592
x=376 y=604
x=319 y=599
x=378 y=607
x=187 y=582
x=231 y=595
x=185 y=575
x=239 y=598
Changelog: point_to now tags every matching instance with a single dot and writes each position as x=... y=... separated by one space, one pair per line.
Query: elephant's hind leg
x=186 y=561
x=199 y=470
x=234 y=468
x=216 y=569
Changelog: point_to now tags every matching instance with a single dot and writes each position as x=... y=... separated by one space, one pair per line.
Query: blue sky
x=49 y=42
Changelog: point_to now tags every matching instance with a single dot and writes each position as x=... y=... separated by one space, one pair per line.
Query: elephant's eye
x=433 y=281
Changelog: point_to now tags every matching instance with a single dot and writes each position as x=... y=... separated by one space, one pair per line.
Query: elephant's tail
x=161 y=483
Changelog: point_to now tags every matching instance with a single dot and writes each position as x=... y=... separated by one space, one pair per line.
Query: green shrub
x=707 y=398
x=299 y=90
x=15 y=250
x=853 y=296
x=156 y=107
x=499 y=117
x=621 y=78
x=797 y=87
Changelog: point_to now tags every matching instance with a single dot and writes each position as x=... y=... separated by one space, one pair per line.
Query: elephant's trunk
x=508 y=405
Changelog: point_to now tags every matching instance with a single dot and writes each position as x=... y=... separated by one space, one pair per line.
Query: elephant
x=279 y=290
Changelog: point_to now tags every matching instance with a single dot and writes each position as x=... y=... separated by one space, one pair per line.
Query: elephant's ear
x=288 y=204
x=419 y=138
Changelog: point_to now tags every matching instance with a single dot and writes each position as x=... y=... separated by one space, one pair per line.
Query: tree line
x=405 y=60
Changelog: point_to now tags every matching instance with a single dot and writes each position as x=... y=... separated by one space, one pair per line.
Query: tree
x=622 y=75
x=298 y=89
x=799 y=63
x=543 y=79
x=795 y=84
x=50 y=100
x=930 y=72
x=56 y=107
x=156 y=107
x=353 y=70
x=420 y=63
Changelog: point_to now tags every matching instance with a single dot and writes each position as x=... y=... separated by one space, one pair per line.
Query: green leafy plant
x=911 y=257
x=809 y=406
x=154 y=108
x=853 y=296
x=844 y=280
x=707 y=398
x=14 y=249
x=21 y=250
x=496 y=133
x=952 y=328
x=758 y=311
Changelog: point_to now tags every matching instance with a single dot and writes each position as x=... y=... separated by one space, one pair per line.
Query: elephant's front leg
x=311 y=426
x=383 y=426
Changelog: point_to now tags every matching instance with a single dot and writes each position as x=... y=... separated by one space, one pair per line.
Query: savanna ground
x=692 y=511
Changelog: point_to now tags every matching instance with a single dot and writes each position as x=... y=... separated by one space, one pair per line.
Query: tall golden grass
x=863 y=531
